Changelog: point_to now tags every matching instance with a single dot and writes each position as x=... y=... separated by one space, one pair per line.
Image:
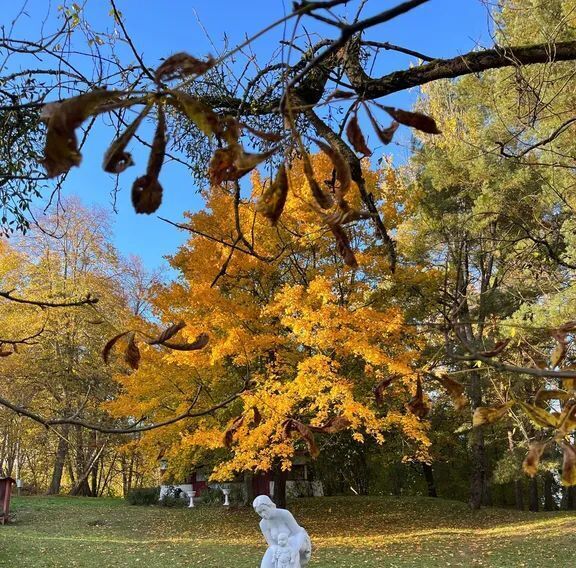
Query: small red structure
x=5 y=494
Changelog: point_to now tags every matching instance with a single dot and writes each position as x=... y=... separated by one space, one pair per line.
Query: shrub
x=143 y=496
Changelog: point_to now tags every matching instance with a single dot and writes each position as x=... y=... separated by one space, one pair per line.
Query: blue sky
x=441 y=28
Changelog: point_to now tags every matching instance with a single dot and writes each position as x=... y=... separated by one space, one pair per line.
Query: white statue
x=289 y=545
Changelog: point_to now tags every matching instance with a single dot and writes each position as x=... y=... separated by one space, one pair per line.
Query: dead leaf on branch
x=199 y=343
x=496 y=350
x=455 y=390
x=381 y=387
x=289 y=426
x=568 y=465
x=231 y=430
x=332 y=425
x=343 y=245
x=200 y=114
x=233 y=162
x=168 y=333
x=116 y=159
x=356 y=137
x=342 y=169
x=132 y=353
x=272 y=202
x=348 y=216
x=488 y=415
x=415 y=120
x=417 y=404
x=266 y=136
x=182 y=65
x=530 y=463
x=61 y=149
x=146 y=190
x=567 y=418
x=385 y=135
x=539 y=416
x=323 y=199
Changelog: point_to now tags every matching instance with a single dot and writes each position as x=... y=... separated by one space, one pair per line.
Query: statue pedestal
x=191 y=494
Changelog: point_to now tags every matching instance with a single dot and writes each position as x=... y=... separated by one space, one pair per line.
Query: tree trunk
x=519 y=494
x=279 y=496
x=534 y=500
x=549 y=503
x=59 y=462
x=478 y=451
x=429 y=477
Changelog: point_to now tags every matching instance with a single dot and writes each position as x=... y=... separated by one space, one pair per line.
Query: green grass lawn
x=346 y=532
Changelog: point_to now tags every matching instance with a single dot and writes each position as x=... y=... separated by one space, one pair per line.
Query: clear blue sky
x=441 y=28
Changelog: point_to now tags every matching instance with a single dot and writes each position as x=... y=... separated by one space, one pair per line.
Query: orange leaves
x=454 y=389
x=417 y=405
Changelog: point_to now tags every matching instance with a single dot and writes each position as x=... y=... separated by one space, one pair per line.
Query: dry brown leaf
x=343 y=245
x=498 y=348
x=267 y=136
x=323 y=199
x=530 y=463
x=558 y=354
x=539 y=416
x=489 y=415
x=168 y=333
x=342 y=168
x=200 y=114
x=61 y=150
x=417 y=405
x=146 y=194
x=232 y=162
x=199 y=343
x=272 y=202
x=350 y=215
x=289 y=426
x=356 y=137
x=567 y=418
x=116 y=159
x=132 y=353
x=332 y=425
x=231 y=430
x=182 y=65
x=568 y=465
x=455 y=390
x=380 y=388
x=413 y=119
x=110 y=344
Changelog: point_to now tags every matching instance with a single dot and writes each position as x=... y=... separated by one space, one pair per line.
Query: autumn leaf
x=380 y=388
x=199 y=343
x=289 y=426
x=385 y=135
x=343 y=245
x=558 y=354
x=5 y=353
x=489 y=415
x=168 y=333
x=272 y=202
x=323 y=199
x=356 y=137
x=62 y=118
x=132 y=353
x=415 y=120
x=350 y=215
x=332 y=425
x=530 y=463
x=116 y=159
x=567 y=418
x=200 y=114
x=454 y=388
x=146 y=190
x=417 y=405
x=110 y=344
x=568 y=465
x=342 y=169
x=267 y=136
x=233 y=162
x=539 y=416
x=543 y=395
x=231 y=430
x=497 y=349
x=182 y=65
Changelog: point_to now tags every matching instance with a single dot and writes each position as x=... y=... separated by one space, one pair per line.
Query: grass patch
x=352 y=532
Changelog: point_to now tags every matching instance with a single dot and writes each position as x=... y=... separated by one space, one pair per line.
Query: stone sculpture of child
x=284 y=556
